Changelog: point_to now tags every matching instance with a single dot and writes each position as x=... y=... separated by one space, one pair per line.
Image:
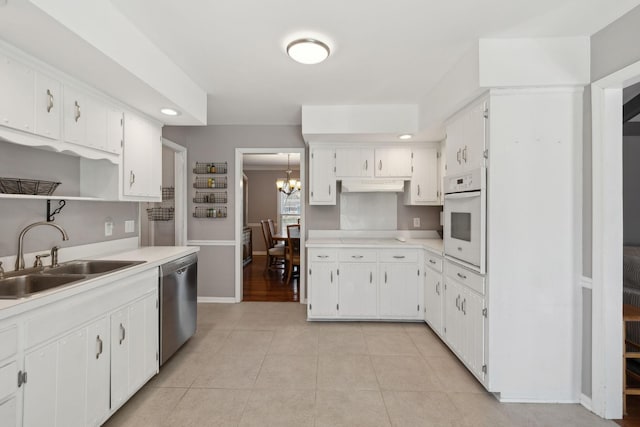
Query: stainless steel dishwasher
x=178 y=304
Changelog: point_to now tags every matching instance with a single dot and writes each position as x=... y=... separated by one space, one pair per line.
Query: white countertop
x=431 y=244
x=152 y=257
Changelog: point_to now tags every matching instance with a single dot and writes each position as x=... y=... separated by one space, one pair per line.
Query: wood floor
x=267 y=286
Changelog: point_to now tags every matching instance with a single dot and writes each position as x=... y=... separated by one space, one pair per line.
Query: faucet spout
x=20 y=257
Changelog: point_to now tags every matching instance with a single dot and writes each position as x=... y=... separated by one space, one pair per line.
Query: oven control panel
x=469 y=181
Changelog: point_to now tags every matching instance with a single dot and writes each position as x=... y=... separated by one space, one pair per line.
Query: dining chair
x=275 y=254
x=292 y=254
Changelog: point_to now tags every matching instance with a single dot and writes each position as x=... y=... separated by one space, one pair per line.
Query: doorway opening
x=266 y=268
x=165 y=223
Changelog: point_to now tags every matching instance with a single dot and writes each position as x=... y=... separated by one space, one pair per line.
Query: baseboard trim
x=586 y=402
x=223 y=300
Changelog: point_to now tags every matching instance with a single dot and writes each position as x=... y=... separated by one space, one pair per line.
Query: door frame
x=180 y=194
x=608 y=240
x=240 y=152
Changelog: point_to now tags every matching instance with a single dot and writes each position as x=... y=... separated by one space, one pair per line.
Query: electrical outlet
x=129 y=226
x=108 y=228
x=416 y=222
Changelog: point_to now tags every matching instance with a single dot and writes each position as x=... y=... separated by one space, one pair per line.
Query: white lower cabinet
x=9 y=413
x=82 y=375
x=364 y=284
x=465 y=315
x=357 y=294
x=433 y=299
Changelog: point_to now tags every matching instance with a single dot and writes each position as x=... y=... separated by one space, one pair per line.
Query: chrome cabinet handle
x=366 y=165
x=323 y=256
x=78 y=113
x=385 y=277
x=99 y=342
x=398 y=256
x=332 y=277
x=370 y=277
x=464 y=306
x=458 y=302
x=329 y=189
x=380 y=165
x=49 y=101
x=418 y=189
x=122 y=333
x=438 y=288
x=356 y=256
x=464 y=154
x=462 y=276
x=132 y=178
x=432 y=261
x=458 y=155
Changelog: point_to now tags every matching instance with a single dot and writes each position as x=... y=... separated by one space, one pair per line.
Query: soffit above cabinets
x=93 y=42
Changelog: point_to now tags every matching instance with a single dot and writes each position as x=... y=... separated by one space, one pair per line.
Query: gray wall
x=83 y=220
x=218 y=143
x=164 y=231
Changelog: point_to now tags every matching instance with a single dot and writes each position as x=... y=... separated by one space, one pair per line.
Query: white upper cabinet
x=142 y=158
x=354 y=162
x=48 y=106
x=466 y=139
x=424 y=187
x=322 y=176
x=74 y=119
x=17 y=95
x=393 y=162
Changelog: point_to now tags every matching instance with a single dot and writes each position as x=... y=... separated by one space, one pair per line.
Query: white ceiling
x=271 y=161
x=383 y=52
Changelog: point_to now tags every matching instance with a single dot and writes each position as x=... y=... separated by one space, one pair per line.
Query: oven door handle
x=468 y=195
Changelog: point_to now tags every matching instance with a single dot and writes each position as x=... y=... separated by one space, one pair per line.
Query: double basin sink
x=24 y=283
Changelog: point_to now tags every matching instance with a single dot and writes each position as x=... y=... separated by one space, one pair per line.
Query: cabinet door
x=424 y=185
x=97 y=354
x=17 y=102
x=474 y=137
x=354 y=162
x=95 y=114
x=474 y=321
x=9 y=413
x=322 y=185
x=393 y=162
x=143 y=342
x=48 y=103
x=433 y=300
x=40 y=389
x=452 y=323
x=323 y=289
x=73 y=113
x=453 y=147
x=72 y=378
x=357 y=294
x=137 y=167
x=398 y=288
x=115 y=120
x=119 y=357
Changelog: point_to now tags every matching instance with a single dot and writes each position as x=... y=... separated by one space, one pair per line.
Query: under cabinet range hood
x=372 y=186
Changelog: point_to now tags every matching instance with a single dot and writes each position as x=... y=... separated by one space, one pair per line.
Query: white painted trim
x=181 y=191
x=238 y=213
x=223 y=300
x=586 y=402
x=211 y=243
x=586 y=282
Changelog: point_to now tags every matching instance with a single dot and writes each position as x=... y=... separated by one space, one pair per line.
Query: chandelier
x=290 y=185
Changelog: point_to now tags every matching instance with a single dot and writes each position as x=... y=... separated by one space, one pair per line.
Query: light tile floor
x=263 y=364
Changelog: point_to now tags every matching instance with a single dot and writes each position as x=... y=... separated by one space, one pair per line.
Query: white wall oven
x=465 y=219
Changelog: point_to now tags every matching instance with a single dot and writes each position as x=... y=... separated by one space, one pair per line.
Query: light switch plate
x=416 y=222
x=129 y=226
x=108 y=228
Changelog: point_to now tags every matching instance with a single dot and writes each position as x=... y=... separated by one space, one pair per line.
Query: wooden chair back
x=293 y=237
x=266 y=233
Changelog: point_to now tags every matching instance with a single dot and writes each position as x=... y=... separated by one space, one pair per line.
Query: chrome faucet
x=20 y=257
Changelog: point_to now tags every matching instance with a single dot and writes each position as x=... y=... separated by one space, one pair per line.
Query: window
x=288 y=210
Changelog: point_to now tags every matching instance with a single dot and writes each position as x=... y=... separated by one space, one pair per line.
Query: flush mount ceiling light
x=169 y=112
x=405 y=136
x=308 y=51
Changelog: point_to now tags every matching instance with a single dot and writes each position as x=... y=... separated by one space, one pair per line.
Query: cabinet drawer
x=467 y=277
x=399 y=255
x=434 y=262
x=323 y=255
x=357 y=255
x=8 y=379
x=8 y=342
